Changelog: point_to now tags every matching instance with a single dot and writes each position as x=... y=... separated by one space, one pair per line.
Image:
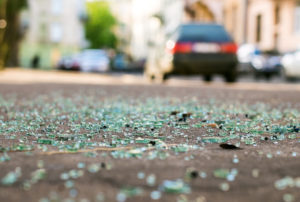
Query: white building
x=140 y=22
x=143 y=23
x=55 y=28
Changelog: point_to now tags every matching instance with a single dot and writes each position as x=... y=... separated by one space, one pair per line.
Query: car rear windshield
x=203 y=33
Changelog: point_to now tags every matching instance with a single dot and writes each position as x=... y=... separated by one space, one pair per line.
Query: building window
x=277 y=14
x=234 y=20
x=56 y=6
x=297 y=19
x=56 y=33
x=258 y=28
x=43 y=32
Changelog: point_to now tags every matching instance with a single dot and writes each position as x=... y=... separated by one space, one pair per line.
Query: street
x=91 y=137
x=27 y=76
x=161 y=100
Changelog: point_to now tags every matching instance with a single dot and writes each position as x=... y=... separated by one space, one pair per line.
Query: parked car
x=259 y=63
x=291 y=65
x=69 y=63
x=120 y=62
x=124 y=63
x=245 y=54
x=94 y=60
x=266 y=64
x=137 y=65
x=205 y=49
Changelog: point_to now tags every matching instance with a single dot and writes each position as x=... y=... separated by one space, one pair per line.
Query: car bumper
x=203 y=63
x=270 y=70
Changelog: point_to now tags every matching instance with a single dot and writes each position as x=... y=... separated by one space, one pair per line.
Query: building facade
x=204 y=11
x=55 y=28
x=269 y=24
x=144 y=24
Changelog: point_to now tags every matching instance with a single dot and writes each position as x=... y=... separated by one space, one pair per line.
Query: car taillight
x=229 y=48
x=181 y=47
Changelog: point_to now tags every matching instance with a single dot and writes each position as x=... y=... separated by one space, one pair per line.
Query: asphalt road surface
x=87 y=137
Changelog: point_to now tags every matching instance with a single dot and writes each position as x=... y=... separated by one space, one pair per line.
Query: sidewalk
x=29 y=76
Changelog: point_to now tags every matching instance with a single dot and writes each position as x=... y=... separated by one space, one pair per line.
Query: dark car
x=124 y=63
x=205 y=49
x=120 y=62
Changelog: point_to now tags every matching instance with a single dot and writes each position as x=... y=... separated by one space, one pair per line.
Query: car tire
x=290 y=79
x=231 y=77
x=207 y=78
x=268 y=76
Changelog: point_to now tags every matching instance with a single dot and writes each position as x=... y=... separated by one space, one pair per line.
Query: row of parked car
x=268 y=63
x=208 y=49
x=86 y=61
x=204 y=49
x=94 y=60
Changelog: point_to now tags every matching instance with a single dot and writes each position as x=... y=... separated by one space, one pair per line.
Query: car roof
x=204 y=32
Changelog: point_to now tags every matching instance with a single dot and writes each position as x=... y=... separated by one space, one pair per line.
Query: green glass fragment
x=11 y=177
x=175 y=187
x=44 y=141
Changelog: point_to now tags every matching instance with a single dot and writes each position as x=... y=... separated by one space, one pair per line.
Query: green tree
x=10 y=34
x=100 y=24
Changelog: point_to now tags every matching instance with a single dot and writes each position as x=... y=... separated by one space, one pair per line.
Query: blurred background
x=120 y=35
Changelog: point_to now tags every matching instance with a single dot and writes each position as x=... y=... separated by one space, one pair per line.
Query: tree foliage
x=99 y=27
x=10 y=33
